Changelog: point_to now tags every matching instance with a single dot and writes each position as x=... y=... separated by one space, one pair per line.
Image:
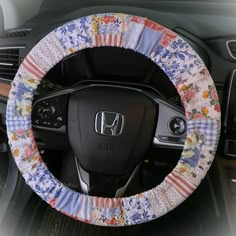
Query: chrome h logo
x=109 y=123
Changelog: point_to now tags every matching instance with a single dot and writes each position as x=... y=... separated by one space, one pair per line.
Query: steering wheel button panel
x=171 y=128
x=50 y=112
x=186 y=71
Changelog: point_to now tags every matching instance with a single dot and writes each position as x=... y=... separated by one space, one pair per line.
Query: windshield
x=14 y=13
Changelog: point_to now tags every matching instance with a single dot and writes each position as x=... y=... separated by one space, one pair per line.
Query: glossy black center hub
x=110 y=129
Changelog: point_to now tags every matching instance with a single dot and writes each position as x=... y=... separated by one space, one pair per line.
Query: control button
x=163 y=138
x=52 y=109
x=177 y=126
x=37 y=122
x=45 y=103
x=170 y=139
x=39 y=110
x=45 y=123
x=59 y=119
x=173 y=139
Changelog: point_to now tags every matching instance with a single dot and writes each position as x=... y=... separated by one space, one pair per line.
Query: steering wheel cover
x=183 y=67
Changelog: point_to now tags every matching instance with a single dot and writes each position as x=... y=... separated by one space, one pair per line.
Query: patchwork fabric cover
x=186 y=71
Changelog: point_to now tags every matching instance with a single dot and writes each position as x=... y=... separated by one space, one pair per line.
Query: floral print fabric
x=183 y=67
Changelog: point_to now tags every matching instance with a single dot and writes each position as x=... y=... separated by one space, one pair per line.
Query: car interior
x=112 y=81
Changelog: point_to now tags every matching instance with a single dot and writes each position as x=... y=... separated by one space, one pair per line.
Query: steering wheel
x=111 y=126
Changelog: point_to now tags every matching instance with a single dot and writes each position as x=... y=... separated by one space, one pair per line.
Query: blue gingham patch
x=204 y=127
x=17 y=122
x=14 y=125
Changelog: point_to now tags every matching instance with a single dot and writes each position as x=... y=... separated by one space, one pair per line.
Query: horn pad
x=110 y=129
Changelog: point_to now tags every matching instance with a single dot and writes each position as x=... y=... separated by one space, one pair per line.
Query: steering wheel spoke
x=171 y=126
x=103 y=185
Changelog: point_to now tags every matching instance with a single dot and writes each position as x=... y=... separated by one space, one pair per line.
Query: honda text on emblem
x=109 y=123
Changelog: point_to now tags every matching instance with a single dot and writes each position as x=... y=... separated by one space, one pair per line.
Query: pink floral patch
x=214 y=94
x=217 y=108
x=28 y=152
x=20 y=132
x=167 y=38
x=190 y=93
x=198 y=116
